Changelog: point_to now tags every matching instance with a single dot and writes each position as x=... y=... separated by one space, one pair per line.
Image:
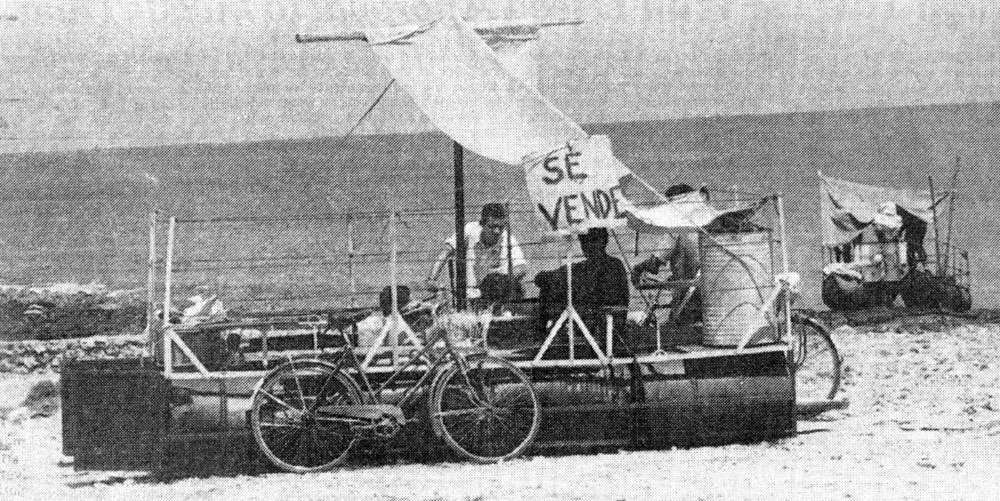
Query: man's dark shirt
x=597 y=282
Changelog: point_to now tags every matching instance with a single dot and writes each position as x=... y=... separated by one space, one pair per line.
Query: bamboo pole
x=510 y=252
x=461 y=254
x=951 y=212
x=393 y=265
x=937 y=238
x=784 y=260
x=783 y=231
x=168 y=271
x=168 y=348
x=569 y=296
x=151 y=286
x=350 y=260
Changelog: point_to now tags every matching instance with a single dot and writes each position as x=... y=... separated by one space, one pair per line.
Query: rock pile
x=63 y=312
x=25 y=357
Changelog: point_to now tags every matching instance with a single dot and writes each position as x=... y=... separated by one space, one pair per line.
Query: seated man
x=599 y=281
x=491 y=263
x=369 y=328
x=680 y=252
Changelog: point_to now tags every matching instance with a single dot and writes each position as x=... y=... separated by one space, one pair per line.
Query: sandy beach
x=923 y=424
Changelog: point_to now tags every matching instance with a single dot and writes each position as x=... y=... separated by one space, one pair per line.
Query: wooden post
x=951 y=213
x=168 y=271
x=937 y=239
x=393 y=263
x=510 y=252
x=609 y=325
x=569 y=296
x=461 y=272
x=783 y=232
x=350 y=260
x=151 y=340
x=168 y=345
x=784 y=260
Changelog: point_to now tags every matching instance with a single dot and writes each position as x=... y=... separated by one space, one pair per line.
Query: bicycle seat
x=342 y=319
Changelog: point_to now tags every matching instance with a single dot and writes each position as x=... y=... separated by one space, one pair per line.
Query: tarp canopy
x=686 y=212
x=847 y=208
x=468 y=92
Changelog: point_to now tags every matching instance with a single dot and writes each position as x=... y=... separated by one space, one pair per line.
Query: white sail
x=468 y=92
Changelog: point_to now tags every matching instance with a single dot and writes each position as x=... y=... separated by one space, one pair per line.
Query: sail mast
x=484 y=28
x=461 y=271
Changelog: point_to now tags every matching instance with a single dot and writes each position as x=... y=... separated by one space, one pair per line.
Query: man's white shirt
x=482 y=260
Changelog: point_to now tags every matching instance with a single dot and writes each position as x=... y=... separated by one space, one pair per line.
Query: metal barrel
x=737 y=271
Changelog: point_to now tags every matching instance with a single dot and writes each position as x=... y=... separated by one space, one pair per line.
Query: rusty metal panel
x=114 y=413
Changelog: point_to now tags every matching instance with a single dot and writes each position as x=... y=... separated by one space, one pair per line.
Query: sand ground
x=924 y=423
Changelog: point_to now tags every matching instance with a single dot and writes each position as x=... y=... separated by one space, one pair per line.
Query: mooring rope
x=343 y=139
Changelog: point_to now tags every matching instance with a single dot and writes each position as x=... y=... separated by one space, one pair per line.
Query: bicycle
x=308 y=414
x=814 y=356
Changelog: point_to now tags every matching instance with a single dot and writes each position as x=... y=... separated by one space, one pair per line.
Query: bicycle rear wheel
x=288 y=425
x=815 y=359
x=487 y=411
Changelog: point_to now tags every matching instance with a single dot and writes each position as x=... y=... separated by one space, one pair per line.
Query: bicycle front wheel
x=486 y=409
x=815 y=359
x=288 y=421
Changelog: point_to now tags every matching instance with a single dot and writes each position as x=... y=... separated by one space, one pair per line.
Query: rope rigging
x=343 y=139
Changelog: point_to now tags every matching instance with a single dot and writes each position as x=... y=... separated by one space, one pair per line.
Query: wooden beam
x=481 y=28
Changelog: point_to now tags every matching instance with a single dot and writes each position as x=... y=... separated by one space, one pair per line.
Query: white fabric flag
x=473 y=96
x=468 y=93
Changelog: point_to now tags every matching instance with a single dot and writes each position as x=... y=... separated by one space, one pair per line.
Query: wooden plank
x=568 y=444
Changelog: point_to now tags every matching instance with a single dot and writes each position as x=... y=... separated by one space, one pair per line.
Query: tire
x=489 y=413
x=842 y=294
x=921 y=289
x=955 y=297
x=815 y=359
x=288 y=429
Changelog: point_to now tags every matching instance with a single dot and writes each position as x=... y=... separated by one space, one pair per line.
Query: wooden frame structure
x=388 y=338
x=688 y=395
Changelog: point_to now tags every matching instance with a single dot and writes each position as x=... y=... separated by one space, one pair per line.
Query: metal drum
x=737 y=277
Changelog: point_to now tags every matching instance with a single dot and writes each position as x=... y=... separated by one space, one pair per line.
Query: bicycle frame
x=422 y=356
x=776 y=304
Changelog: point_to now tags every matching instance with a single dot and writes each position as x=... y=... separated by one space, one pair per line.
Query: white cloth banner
x=579 y=186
